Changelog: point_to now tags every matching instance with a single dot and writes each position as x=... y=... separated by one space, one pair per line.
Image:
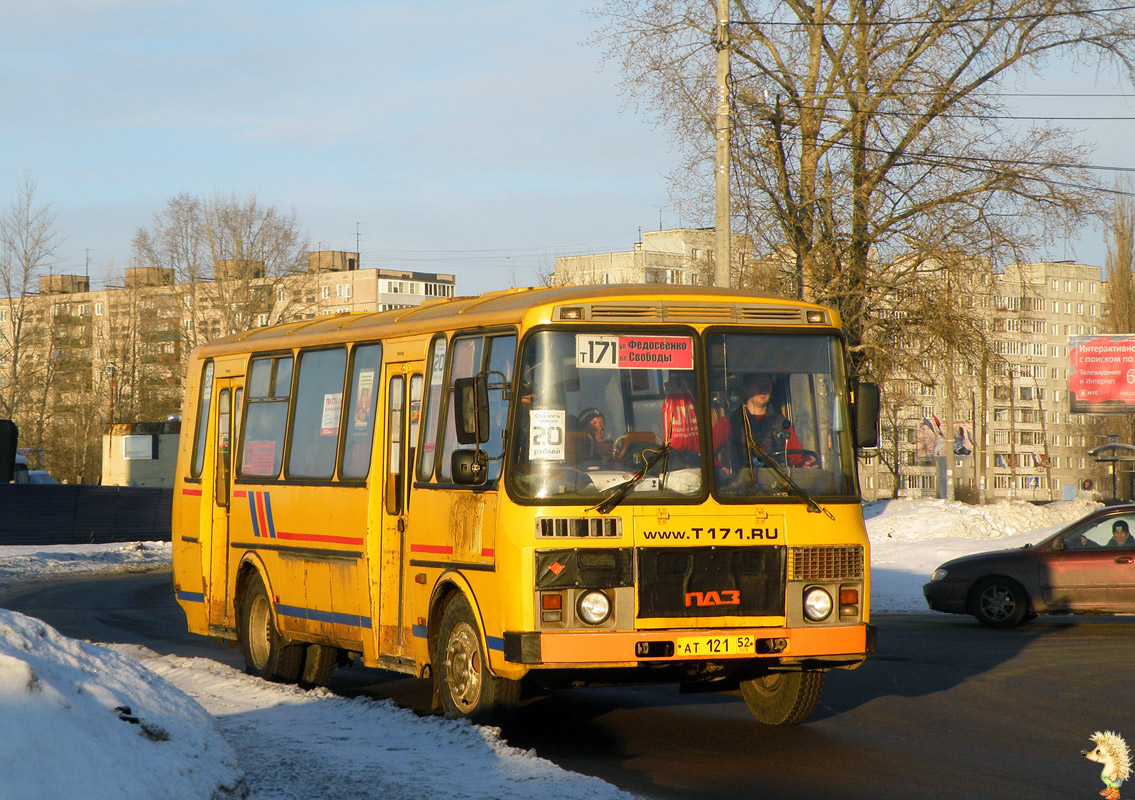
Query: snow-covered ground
x=84 y=720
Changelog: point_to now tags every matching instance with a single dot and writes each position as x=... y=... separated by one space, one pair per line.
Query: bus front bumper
x=629 y=648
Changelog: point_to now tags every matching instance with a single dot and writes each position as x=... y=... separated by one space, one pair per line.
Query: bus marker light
x=551 y=601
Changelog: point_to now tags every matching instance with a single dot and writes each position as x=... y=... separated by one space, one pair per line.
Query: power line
x=800 y=23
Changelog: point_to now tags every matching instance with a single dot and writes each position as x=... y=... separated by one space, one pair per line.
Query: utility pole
x=721 y=254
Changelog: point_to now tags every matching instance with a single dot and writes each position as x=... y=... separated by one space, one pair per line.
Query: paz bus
x=426 y=490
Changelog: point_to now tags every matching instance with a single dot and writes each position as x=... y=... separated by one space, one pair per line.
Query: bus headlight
x=817 y=604
x=594 y=607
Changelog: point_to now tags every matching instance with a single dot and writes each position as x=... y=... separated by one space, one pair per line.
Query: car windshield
x=602 y=414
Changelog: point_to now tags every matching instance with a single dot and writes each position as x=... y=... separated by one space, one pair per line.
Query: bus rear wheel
x=266 y=653
x=783 y=698
x=319 y=663
x=466 y=687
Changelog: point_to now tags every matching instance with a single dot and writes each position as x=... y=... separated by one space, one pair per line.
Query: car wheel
x=999 y=603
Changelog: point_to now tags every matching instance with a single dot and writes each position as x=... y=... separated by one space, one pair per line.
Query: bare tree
x=872 y=138
x=27 y=245
x=224 y=259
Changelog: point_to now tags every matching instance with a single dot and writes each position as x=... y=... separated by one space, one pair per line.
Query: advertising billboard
x=1101 y=378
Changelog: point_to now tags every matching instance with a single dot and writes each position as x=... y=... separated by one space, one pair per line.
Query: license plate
x=707 y=646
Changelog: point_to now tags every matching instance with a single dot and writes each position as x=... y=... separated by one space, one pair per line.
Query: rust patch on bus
x=465 y=520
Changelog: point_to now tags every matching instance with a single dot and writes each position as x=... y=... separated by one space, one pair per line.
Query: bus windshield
x=779 y=410
x=598 y=410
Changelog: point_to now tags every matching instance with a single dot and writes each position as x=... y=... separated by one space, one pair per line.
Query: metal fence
x=35 y=514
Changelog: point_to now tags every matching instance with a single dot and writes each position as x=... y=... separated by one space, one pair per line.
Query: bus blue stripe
x=268 y=515
x=192 y=597
x=299 y=612
x=251 y=496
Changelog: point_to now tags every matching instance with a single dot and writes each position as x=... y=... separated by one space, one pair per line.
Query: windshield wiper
x=782 y=473
x=619 y=493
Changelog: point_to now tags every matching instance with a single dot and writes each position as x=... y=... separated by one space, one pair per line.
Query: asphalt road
x=946 y=709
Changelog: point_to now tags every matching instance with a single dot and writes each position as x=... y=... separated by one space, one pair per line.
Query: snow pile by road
x=921 y=520
x=79 y=720
x=50 y=561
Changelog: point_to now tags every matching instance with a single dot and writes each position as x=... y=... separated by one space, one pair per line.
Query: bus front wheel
x=783 y=698
x=266 y=653
x=466 y=687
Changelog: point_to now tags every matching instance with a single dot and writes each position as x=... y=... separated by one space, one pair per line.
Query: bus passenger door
x=228 y=400
x=403 y=384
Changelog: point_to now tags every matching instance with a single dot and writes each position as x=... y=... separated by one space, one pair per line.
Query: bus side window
x=467 y=352
x=502 y=355
x=415 y=419
x=395 y=466
x=319 y=411
x=433 y=408
x=204 y=401
x=224 y=448
x=359 y=434
x=262 y=445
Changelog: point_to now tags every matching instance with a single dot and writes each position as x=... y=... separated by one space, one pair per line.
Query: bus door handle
x=1123 y=559
x=402 y=526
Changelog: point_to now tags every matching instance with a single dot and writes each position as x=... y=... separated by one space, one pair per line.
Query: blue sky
x=481 y=139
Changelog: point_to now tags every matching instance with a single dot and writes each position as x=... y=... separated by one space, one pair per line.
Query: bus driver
x=765 y=425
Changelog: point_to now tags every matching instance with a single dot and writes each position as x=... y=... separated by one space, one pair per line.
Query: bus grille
x=825 y=563
x=578 y=527
x=710 y=581
x=668 y=312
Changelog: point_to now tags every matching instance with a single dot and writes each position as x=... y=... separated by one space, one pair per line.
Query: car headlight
x=594 y=608
x=939 y=574
x=817 y=604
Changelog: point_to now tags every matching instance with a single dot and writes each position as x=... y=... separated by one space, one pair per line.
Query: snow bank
x=79 y=720
x=920 y=520
x=48 y=561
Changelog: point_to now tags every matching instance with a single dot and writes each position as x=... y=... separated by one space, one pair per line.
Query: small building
x=140 y=453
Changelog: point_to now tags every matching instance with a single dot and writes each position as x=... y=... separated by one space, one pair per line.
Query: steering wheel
x=806 y=454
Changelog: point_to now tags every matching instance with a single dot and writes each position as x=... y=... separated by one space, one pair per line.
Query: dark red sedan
x=1086 y=568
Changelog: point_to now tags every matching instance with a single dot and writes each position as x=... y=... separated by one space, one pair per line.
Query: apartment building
x=680 y=257
x=1002 y=428
x=123 y=346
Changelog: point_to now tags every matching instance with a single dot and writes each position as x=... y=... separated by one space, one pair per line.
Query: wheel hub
x=463 y=666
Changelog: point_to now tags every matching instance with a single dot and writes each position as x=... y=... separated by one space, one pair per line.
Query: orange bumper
x=613 y=648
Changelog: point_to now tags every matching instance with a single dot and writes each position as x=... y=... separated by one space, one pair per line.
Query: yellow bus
x=571 y=485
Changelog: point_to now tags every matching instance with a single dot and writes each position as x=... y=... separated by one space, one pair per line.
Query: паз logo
x=726 y=597
x=1112 y=752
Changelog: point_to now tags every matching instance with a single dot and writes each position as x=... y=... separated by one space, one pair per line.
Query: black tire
x=266 y=653
x=999 y=603
x=783 y=698
x=319 y=662
x=466 y=688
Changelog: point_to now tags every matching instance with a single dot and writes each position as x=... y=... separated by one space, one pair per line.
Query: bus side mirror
x=866 y=408
x=9 y=436
x=471 y=409
x=469 y=467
